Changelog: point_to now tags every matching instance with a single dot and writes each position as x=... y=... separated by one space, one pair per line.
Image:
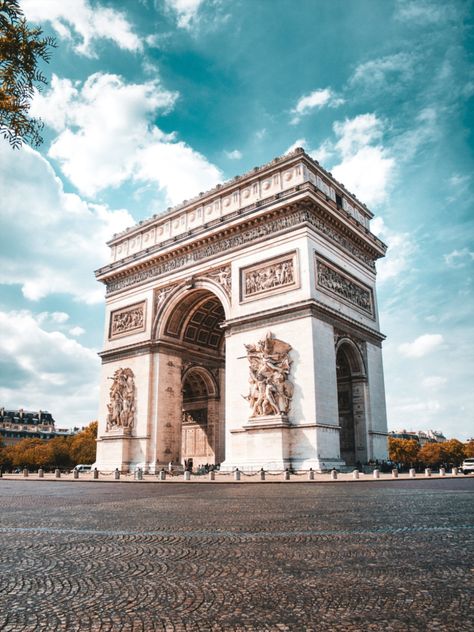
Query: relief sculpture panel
x=127 y=320
x=121 y=407
x=274 y=275
x=270 y=390
x=343 y=287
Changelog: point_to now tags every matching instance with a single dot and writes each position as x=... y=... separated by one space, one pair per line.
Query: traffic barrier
x=57 y=473
x=187 y=476
x=412 y=472
x=162 y=475
x=76 y=474
x=311 y=474
x=262 y=474
x=117 y=474
x=376 y=473
x=237 y=475
x=334 y=475
x=442 y=471
x=427 y=471
x=139 y=474
x=454 y=471
x=394 y=473
x=286 y=475
x=96 y=473
x=355 y=474
x=212 y=475
x=40 y=473
x=25 y=473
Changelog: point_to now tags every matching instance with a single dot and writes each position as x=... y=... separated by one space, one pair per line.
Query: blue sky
x=151 y=102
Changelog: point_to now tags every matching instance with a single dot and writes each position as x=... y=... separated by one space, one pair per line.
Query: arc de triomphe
x=242 y=329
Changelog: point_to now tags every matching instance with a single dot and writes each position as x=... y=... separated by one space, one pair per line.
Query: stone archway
x=351 y=399
x=191 y=381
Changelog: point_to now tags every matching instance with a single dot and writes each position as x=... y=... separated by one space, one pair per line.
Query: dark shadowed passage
x=379 y=556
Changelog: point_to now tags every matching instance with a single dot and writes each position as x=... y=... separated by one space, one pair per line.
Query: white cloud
x=366 y=168
x=52 y=317
x=186 y=11
x=79 y=21
x=384 y=71
x=315 y=100
x=301 y=142
x=400 y=251
x=77 y=331
x=433 y=381
x=424 y=12
x=459 y=258
x=234 y=155
x=421 y=346
x=323 y=153
x=108 y=137
x=62 y=237
x=46 y=370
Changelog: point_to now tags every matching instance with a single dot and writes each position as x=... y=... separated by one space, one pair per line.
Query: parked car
x=83 y=468
x=468 y=466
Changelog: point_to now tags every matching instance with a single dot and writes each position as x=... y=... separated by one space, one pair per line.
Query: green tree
x=83 y=445
x=21 y=50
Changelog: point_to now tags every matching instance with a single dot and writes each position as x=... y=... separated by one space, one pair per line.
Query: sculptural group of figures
x=270 y=390
x=269 y=277
x=129 y=319
x=122 y=400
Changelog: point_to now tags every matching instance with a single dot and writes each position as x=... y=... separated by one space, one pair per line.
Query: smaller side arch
x=353 y=355
x=207 y=377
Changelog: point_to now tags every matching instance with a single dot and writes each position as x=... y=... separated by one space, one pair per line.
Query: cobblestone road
x=378 y=556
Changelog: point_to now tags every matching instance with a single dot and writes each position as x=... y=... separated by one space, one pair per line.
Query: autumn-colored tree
x=469 y=449
x=29 y=453
x=60 y=452
x=21 y=50
x=454 y=452
x=404 y=451
x=432 y=454
x=83 y=445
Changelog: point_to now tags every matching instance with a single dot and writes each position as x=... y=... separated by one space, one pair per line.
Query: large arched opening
x=192 y=376
x=351 y=398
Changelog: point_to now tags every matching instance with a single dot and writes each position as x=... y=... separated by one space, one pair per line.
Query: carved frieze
x=268 y=277
x=290 y=219
x=121 y=408
x=342 y=286
x=270 y=390
x=127 y=320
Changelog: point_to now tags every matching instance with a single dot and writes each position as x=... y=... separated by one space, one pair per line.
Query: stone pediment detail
x=222 y=276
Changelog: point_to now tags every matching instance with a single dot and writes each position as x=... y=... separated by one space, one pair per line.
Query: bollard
x=454 y=471
x=355 y=474
x=162 y=475
x=262 y=474
x=394 y=473
x=76 y=474
x=25 y=473
x=187 y=476
x=1 y=473
x=311 y=474
x=427 y=471
x=412 y=472
x=40 y=473
x=96 y=473
x=237 y=475
x=117 y=474
x=376 y=473
x=139 y=474
x=334 y=475
x=442 y=471
x=212 y=475
x=57 y=473
x=286 y=475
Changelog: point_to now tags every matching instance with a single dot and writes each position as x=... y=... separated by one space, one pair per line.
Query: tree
x=404 y=451
x=432 y=454
x=454 y=452
x=21 y=50
x=83 y=445
x=469 y=449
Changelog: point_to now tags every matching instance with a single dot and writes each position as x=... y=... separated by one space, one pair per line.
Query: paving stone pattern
x=95 y=556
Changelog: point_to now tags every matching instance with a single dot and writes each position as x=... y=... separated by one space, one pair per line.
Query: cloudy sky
x=150 y=102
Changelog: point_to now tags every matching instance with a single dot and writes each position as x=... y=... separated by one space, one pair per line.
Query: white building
x=242 y=329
